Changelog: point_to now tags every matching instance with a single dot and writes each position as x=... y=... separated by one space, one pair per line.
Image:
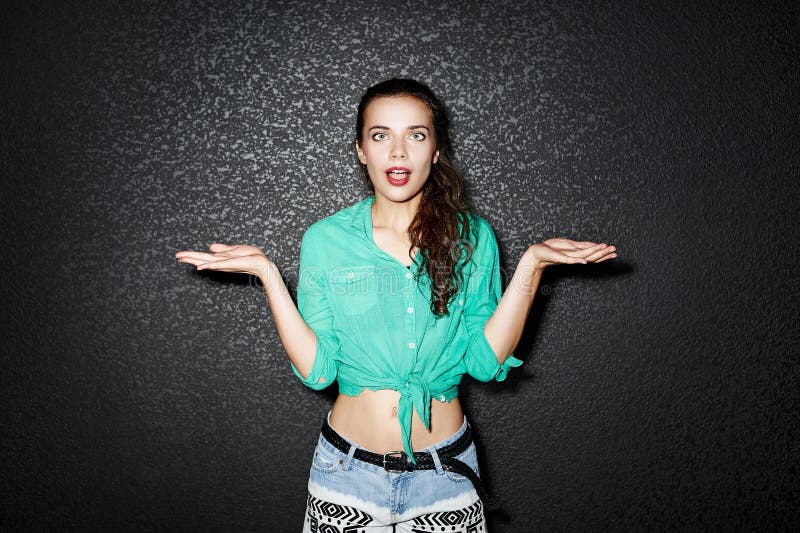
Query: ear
x=436 y=157
x=360 y=152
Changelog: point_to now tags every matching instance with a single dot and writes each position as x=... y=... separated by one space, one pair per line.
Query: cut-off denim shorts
x=349 y=495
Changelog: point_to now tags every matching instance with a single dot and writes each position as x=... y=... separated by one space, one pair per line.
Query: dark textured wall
x=659 y=391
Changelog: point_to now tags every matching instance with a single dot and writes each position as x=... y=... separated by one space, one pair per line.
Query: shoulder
x=336 y=225
x=479 y=224
x=481 y=232
x=481 y=242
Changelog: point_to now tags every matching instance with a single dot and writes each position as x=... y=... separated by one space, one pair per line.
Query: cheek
x=369 y=157
x=375 y=170
x=372 y=153
x=425 y=153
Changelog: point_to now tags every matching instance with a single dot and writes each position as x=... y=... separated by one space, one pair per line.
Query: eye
x=417 y=136
x=379 y=136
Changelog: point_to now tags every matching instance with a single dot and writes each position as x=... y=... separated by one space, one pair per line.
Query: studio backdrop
x=659 y=390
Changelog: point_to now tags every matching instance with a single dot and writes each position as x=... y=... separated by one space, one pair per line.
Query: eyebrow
x=419 y=126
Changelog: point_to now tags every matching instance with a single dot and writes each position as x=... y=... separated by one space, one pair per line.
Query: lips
x=398 y=175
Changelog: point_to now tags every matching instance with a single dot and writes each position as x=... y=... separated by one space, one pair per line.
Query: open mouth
x=398 y=175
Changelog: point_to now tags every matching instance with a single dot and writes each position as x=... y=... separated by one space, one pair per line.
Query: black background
x=659 y=391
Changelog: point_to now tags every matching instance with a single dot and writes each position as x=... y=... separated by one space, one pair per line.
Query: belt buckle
x=398 y=455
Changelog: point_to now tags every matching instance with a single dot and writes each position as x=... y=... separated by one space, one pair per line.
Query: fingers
x=603 y=254
x=215 y=247
x=189 y=255
x=594 y=250
x=200 y=258
x=567 y=244
x=214 y=264
x=562 y=244
x=234 y=250
x=587 y=252
x=565 y=259
x=224 y=264
x=219 y=247
x=606 y=258
x=581 y=244
x=193 y=260
x=594 y=254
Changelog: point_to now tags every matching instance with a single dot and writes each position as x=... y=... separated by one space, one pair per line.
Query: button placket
x=410 y=321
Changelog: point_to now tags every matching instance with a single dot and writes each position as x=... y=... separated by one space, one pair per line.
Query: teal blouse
x=373 y=320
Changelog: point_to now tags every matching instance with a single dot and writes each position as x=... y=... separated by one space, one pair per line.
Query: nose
x=399 y=150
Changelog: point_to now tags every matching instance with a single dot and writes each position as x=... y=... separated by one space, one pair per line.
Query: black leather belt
x=400 y=462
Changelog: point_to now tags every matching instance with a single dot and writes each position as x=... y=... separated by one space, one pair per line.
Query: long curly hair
x=441 y=229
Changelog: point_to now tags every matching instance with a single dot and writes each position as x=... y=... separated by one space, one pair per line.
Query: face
x=398 y=146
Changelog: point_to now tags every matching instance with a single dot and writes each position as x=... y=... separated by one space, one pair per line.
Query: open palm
x=565 y=251
x=241 y=258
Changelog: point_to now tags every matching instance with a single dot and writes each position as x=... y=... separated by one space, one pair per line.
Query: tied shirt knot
x=414 y=394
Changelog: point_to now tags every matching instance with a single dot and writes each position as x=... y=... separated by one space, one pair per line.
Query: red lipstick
x=398 y=176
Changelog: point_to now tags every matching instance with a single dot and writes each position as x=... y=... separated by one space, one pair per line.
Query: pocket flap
x=351 y=274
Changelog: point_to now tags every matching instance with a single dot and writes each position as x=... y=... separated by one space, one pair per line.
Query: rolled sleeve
x=325 y=367
x=312 y=303
x=482 y=294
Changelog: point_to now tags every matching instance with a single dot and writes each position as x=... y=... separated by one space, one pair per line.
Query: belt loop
x=349 y=460
x=437 y=462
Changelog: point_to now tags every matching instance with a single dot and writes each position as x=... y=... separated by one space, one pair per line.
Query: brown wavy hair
x=441 y=229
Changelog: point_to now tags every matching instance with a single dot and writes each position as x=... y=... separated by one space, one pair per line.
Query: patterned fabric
x=327 y=517
x=346 y=495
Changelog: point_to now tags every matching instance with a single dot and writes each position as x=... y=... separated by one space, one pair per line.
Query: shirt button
x=408 y=275
x=410 y=310
x=411 y=345
x=460 y=301
x=349 y=274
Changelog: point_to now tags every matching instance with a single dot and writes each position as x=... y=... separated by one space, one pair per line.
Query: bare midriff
x=370 y=420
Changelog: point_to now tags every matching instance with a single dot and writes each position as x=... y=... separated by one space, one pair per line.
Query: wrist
x=268 y=274
x=531 y=261
x=527 y=275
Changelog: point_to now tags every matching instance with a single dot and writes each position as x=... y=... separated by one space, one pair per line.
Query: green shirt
x=373 y=320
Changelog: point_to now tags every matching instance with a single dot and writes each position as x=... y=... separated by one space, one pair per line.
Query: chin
x=399 y=194
x=396 y=194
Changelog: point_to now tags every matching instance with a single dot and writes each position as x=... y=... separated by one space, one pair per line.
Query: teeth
x=398 y=172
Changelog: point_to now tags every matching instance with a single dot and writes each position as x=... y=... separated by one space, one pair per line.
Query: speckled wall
x=659 y=391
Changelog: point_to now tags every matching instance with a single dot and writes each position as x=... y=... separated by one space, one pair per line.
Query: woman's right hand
x=241 y=258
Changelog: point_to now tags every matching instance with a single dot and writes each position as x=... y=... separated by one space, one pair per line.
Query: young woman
x=399 y=295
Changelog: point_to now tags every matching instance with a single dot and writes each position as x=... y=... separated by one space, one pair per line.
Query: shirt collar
x=361 y=219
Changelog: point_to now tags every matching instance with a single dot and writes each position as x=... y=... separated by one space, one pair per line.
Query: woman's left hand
x=566 y=251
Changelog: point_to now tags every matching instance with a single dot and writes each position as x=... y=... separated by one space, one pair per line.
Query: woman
x=399 y=295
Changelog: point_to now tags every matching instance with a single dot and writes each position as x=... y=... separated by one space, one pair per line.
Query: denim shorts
x=346 y=494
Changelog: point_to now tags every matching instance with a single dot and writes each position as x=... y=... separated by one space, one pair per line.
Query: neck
x=394 y=215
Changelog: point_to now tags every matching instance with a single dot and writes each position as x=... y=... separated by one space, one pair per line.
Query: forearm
x=299 y=340
x=504 y=328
